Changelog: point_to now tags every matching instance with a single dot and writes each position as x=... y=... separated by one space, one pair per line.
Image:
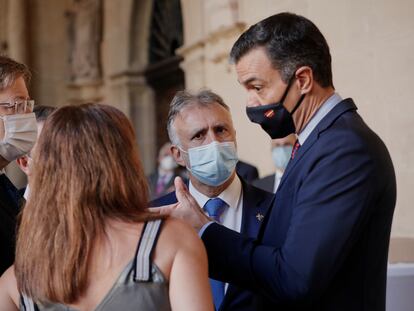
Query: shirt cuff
x=203 y=228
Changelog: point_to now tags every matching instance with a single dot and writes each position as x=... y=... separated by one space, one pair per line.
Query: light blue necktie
x=214 y=208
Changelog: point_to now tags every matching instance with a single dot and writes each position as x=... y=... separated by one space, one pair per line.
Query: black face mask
x=274 y=119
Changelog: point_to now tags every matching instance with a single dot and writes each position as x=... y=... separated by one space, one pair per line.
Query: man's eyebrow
x=251 y=79
x=197 y=131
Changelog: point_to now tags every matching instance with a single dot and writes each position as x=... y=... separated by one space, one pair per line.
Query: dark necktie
x=295 y=149
x=214 y=208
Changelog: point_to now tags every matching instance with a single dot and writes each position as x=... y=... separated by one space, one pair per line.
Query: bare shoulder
x=176 y=239
x=178 y=231
x=9 y=295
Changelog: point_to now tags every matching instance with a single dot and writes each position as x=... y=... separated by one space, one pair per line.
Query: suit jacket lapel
x=254 y=210
x=336 y=112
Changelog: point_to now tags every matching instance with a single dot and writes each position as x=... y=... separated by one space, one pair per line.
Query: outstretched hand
x=186 y=209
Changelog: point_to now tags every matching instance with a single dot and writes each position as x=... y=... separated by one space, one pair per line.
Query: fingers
x=180 y=185
x=183 y=194
x=163 y=210
x=181 y=191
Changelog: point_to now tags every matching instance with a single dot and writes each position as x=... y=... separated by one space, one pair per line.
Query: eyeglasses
x=17 y=106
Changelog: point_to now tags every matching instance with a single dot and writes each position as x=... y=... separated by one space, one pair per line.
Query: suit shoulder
x=252 y=193
x=169 y=198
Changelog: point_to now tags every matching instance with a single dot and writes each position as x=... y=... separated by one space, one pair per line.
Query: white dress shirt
x=233 y=196
x=278 y=177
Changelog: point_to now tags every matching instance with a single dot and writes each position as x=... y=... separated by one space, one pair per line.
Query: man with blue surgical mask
x=281 y=154
x=203 y=139
x=18 y=132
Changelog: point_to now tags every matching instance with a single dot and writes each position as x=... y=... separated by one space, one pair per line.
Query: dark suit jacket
x=8 y=214
x=255 y=204
x=247 y=171
x=324 y=243
x=266 y=183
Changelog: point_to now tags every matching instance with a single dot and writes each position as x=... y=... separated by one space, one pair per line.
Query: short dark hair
x=10 y=70
x=291 y=41
x=185 y=98
x=42 y=112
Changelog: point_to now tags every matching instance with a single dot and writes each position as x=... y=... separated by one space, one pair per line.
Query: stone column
x=16 y=48
x=18 y=30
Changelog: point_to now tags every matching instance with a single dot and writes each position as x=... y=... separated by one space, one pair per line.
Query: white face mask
x=168 y=163
x=20 y=134
x=281 y=156
x=213 y=164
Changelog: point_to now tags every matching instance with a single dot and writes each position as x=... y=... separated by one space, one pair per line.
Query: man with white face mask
x=281 y=154
x=204 y=141
x=161 y=181
x=18 y=132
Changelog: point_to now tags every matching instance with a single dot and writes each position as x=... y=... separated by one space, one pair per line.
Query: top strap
x=28 y=304
x=142 y=271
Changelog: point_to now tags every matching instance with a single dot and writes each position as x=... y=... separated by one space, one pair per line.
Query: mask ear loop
x=287 y=91
x=282 y=100
x=298 y=104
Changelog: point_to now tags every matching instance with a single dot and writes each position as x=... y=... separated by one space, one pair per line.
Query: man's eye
x=197 y=136
x=257 y=88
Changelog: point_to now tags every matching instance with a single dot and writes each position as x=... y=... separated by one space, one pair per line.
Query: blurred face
x=166 y=162
x=165 y=151
x=197 y=126
x=282 y=151
x=15 y=92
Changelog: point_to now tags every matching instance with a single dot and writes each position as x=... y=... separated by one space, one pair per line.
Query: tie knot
x=215 y=207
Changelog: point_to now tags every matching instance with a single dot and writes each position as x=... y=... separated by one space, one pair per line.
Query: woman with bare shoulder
x=86 y=240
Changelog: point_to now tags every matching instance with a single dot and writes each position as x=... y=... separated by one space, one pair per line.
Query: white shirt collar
x=278 y=174
x=230 y=195
x=26 y=192
x=323 y=110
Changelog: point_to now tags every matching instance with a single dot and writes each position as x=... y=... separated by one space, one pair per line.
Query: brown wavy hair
x=86 y=170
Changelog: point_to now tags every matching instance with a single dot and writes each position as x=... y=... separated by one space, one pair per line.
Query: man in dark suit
x=324 y=243
x=161 y=181
x=17 y=136
x=204 y=141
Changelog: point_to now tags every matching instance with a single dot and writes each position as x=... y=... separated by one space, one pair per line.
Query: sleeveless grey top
x=141 y=285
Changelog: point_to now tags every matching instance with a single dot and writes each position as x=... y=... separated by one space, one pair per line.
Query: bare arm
x=189 y=286
x=9 y=295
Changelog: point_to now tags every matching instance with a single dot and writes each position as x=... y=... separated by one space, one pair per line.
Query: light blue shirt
x=323 y=110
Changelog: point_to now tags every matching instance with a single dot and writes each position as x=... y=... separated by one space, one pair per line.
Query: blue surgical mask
x=213 y=164
x=281 y=156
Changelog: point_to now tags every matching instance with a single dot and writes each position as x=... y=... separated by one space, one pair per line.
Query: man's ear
x=23 y=163
x=177 y=155
x=304 y=78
